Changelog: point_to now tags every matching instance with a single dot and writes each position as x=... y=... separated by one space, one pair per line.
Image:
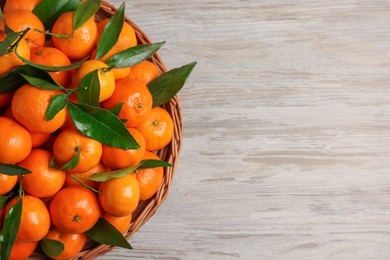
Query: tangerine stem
x=47 y=32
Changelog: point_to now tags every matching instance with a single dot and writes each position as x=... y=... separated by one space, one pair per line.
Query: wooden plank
x=286 y=130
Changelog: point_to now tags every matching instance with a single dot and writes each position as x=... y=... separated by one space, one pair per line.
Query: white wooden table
x=286 y=149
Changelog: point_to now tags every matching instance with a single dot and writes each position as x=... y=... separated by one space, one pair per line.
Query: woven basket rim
x=170 y=153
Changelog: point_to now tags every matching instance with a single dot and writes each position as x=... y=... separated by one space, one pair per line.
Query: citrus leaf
x=51 y=248
x=134 y=55
x=89 y=89
x=147 y=164
x=57 y=103
x=41 y=83
x=3 y=201
x=48 y=11
x=10 y=229
x=101 y=125
x=52 y=68
x=12 y=80
x=70 y=164
x=111 y=32
x=105 y=176
x=7 y=42
x=12 y=170
x=84 y=11
x=165 y=87
x=117 y=109
x=105 y=233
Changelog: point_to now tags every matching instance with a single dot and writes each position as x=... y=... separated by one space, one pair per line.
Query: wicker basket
x=170 y=153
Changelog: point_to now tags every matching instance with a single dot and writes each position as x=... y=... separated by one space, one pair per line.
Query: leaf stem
x=47 y=32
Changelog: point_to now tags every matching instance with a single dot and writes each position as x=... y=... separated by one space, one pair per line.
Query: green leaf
x=69 y=165
x=117 y=109
x=105 y=176
x=145 y=164
x=51 y=248
x=89 y=89
x=12 y=80
x=12 y=170
x=101 y=125
x=41 y=83
x=10 y=229
x=165 y=87
x=85 y=11
x=48 y=11
x=57 y=103
x=111 y=32
x=3 y=201
x=52 y=68
x=7 y=42
x=134 y=55
x=105 y=233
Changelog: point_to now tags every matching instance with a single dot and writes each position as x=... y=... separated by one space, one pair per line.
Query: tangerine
x=119 y=197
x=105 y=75
x=7 y=183
x=15 y=141
x=157 y=129
x=73 y=243
x=29 y=107
x=145 y=72
x=149 y=179
x=35 y=220
x=20 y=4
x=19 y=20
x=43 y=181
x=76 y=44
x=136 y=98
x=69 y=141
x=5 y=99
x=116 y=158
x=9 y=60
x=50 y=56
x=22 y=250
x=74 y=209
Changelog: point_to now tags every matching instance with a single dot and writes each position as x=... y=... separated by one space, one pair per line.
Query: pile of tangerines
x=80 y=125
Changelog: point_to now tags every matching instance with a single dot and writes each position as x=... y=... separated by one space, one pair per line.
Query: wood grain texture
x=286 y=130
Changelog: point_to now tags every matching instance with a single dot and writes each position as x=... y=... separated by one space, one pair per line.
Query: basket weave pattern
x=170 y=153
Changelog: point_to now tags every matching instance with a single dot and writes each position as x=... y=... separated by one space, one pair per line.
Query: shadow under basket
x=170 y=153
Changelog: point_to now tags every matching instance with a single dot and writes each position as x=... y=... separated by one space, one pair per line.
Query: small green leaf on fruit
x=117 y=109
x=48 y=11
x=111 y=32
x=71 y=164
x=10 y=229
x=41 y=83
x=57 y=103
x=84 y=12
x=101 y=125
x=105 y=176
x=134 y=55
x=165 y=87
x=52 y=248
x=12 y=170
x=105 y=233
x=3 y=201
x=89 y=89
